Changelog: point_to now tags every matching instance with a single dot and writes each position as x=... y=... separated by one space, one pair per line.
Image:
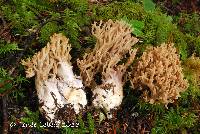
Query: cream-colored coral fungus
x=114 y=40
x=55 y=81
x=160 y=71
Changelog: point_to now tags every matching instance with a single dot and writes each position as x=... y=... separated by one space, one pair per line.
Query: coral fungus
x=55 y=81
x=114 y=40
x=159 y=69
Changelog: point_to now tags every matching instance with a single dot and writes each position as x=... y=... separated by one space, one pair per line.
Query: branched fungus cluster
x=114 y=40
x=55 y=81
x=158 y=72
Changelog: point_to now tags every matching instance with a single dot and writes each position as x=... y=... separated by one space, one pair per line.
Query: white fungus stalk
x=66 y=73
x=74 y=93
x=110 y=94
x=50 y=98
x=55 y=81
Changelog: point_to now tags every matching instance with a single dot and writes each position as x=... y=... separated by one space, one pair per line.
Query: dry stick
x=5 y=97
x=8 y=91
x=5 y=115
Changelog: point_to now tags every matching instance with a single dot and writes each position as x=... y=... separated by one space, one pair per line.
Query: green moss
x=6 y=81
x=174 y=121
x=118 y=10
x=7 y=47
x=189 y=23
x=47 y=31
x=32 y=120
x=22 y=14
x=83 y=127
x=158 y=28
x=144 y=108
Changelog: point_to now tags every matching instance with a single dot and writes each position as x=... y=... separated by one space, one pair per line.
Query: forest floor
x=25 y=28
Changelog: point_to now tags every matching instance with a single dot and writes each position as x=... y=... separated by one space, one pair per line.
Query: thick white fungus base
x=57 y=92
x=109 y=98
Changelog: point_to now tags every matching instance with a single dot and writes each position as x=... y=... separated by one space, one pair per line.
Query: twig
x=8 y=91
x=5 y=114
x=5 y=96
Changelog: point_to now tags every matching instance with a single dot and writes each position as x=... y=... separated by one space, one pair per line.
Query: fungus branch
x=114 y=40
x=45 y=63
